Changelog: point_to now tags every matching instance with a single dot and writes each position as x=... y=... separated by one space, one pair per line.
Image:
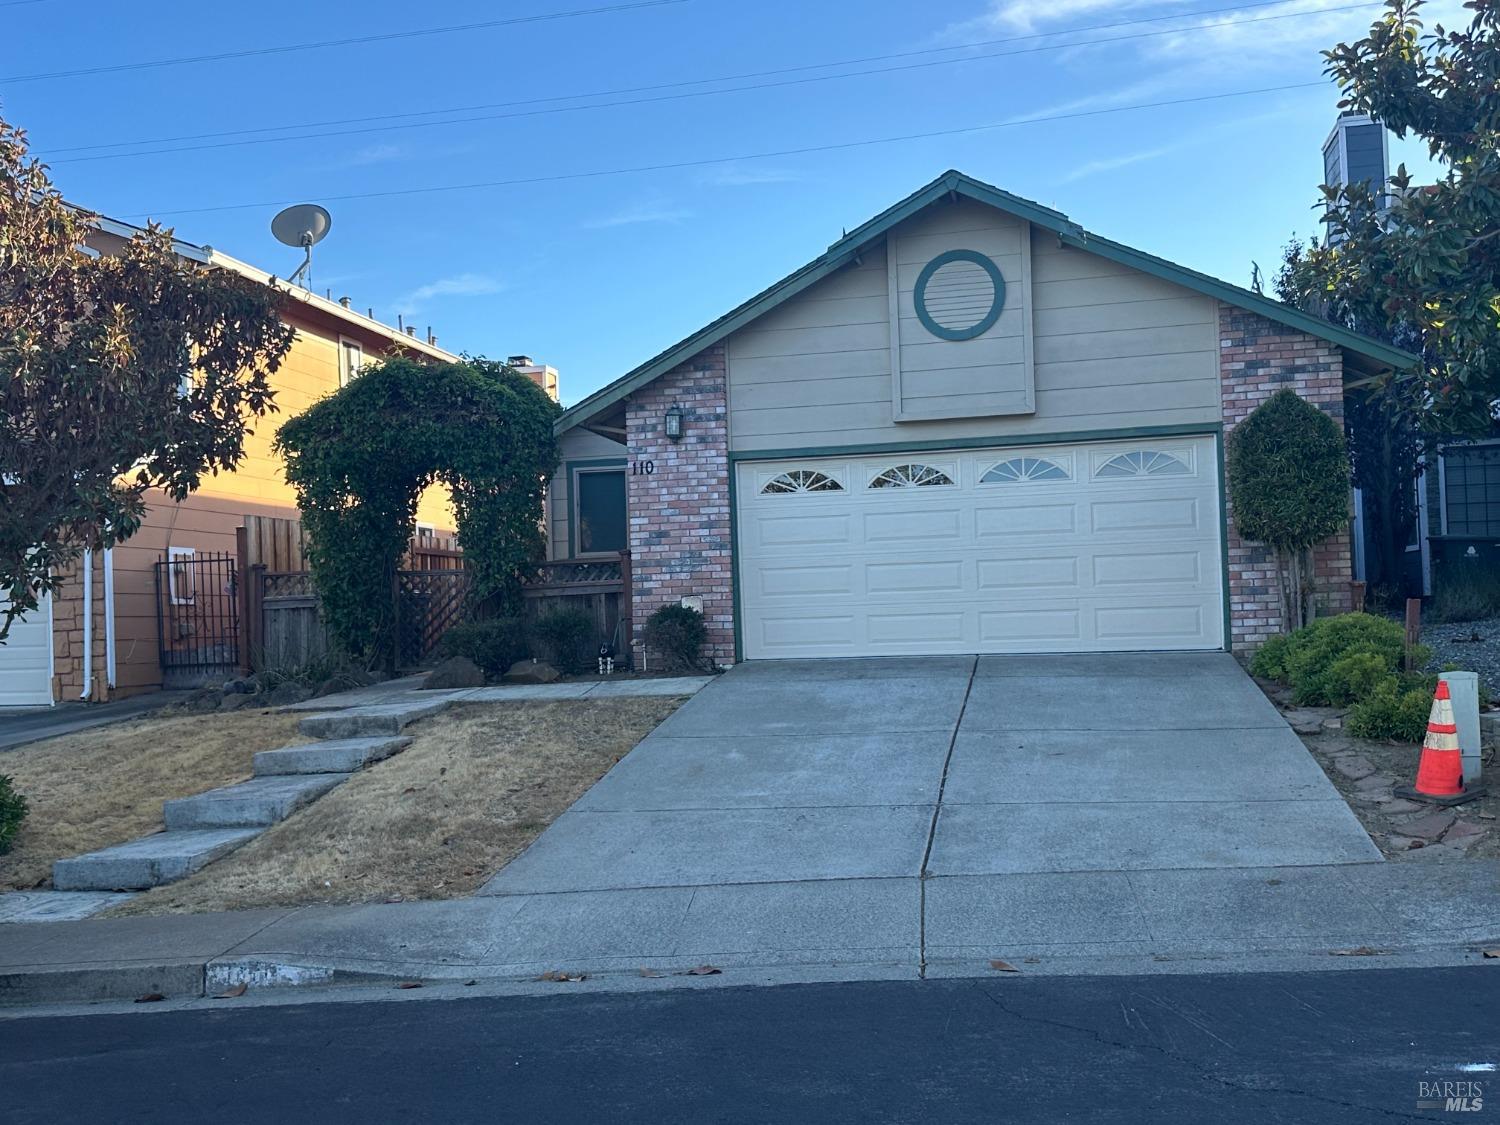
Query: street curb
x=90 y=984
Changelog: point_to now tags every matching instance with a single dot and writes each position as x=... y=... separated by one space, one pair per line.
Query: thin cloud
x=1114 y=163
x=638 y=215
x=376 y=154
x=737 y=175
x=457 y=285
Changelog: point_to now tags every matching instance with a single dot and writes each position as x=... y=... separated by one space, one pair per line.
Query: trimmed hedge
x=569 y=638
x=1336 y=661
x=677 y=634
x=493 y=645
x=13 y=807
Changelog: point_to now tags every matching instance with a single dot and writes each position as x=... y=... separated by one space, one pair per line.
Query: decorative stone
x=1463 y=831
x=531 y=672
x=1398 y=805
x=1431 y=826
x=1373 y=782
x=455 y=672
x=1333 y=723
x=1354 y=766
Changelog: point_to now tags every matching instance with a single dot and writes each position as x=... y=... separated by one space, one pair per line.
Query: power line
x=559 y=177
x=255 y=52
x=387 y=128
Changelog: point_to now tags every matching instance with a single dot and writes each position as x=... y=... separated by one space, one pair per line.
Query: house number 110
x=642 y=468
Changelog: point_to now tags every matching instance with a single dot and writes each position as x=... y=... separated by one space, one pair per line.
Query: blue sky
x=594 y=274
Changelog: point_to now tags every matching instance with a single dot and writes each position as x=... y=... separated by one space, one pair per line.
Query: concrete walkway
x=22 y=725
x=874 y=819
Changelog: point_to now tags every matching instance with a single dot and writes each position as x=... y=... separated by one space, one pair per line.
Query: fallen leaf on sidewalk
x=1492 y=953
x=1003 y=966
x=410 y=984
x=231 y=993
x=149 y=998
x=703 y=971
x=559 y=975
x=1357 y=951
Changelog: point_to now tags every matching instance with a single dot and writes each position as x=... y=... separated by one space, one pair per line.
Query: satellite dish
x=304 y=225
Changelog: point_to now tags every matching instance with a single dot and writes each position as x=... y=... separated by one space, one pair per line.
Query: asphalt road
x=1297 y=1047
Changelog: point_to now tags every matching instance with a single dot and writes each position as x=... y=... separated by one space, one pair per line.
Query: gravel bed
x=1473 y=646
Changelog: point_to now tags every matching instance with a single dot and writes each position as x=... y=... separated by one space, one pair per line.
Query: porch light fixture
x=672 y=422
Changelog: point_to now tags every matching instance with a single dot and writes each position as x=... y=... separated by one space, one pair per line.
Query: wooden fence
x=600 y=587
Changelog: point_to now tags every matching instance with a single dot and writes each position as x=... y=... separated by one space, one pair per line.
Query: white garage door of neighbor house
x=1077 y=548
x=26 y=660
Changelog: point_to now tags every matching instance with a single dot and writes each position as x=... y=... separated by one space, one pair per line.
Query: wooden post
x=255 y=619
x=1357 y=597
x=1413 y=628
x=627 y=606
x=242 y=556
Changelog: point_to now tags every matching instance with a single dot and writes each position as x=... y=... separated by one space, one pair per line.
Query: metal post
x=627 y=604
x=1463 y=687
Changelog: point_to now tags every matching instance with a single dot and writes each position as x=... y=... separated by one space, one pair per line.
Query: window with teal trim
x=913 y=475
x=800 y=480
x=1019 y=469
x=1143 y=463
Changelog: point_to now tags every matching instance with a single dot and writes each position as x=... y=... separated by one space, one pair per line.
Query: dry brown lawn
x=105 y=786
x=477 y=784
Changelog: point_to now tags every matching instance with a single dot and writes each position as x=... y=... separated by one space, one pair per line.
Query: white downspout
x=109 y=617
x=88 y=624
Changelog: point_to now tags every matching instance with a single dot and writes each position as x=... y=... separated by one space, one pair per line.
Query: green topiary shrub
x=1288 y=477
x=677 y=634
x=1395 y=709
x=12 y=811
x=567 y=638
x=494 y=645
x=1354 y=676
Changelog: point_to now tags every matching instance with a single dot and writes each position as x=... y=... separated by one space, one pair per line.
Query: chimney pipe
x=400 y=324
x=411 y=330
x=345 y=302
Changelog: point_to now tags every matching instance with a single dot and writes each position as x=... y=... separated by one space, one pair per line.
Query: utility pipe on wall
x=88 y=624
x=109 y=617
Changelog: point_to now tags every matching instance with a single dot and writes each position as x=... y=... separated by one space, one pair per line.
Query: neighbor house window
x=180 y=575
x=599 y=511
x=351 y=359
x=1471 y=486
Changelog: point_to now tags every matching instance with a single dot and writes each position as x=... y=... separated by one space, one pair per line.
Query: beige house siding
x=1114 y=349
x=577 y=444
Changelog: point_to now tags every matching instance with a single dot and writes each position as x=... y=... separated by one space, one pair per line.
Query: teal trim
x=734 y=569
x=919 y=295
x=570 y=475
x=1224 y=540
x=954 y=183
x=1199 y=429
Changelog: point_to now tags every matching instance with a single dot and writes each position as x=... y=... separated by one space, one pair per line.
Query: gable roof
x=955 y=183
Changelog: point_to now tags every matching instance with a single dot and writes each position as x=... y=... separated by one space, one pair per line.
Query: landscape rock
x=282 y=694
x=1400 y=805
x=1353 y=766
x=1373 y=782
x=1431 y=826
x=1463 y=832
x=455 y=672
x=531 y=672
x=237 y=702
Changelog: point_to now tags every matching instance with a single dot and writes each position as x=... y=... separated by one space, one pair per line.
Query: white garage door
x=1078 y=548
x=26 y=660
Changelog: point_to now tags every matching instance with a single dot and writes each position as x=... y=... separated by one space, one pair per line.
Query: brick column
x=679 y=514
x=1257 y=358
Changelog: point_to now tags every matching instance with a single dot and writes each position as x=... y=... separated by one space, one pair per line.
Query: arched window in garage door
x=800 y=480
x=912 y=475
x=1143 y=463
x=1019 y=469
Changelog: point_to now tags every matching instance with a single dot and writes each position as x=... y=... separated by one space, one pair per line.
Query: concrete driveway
x=793 y=771
x=863 y=809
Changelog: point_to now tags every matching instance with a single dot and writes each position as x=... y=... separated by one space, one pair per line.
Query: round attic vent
x=959 y=295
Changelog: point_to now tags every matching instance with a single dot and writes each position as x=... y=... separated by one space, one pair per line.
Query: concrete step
x=362 y=722
x=342 y=755
x=259 y=802
x=147 y=862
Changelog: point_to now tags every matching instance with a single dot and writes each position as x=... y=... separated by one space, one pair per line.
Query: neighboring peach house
x=119 y=629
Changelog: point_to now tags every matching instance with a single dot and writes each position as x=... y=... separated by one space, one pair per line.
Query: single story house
x=970 y=425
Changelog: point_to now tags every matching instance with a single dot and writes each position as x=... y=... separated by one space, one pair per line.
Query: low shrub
x=567 y=638
x=1397 y=709
x=1336 y=660
x=12 y=812
x=677 y=634
x=1464 y=590
x=494 y=645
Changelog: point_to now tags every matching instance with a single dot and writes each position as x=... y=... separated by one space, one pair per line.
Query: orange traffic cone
x=1440 y=773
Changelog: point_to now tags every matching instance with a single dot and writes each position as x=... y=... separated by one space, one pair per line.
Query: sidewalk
x=1081 y=923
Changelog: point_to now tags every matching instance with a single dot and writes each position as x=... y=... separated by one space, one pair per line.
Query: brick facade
x=679 y=514
x=1257 y=358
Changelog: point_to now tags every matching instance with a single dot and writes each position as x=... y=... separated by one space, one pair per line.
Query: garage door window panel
x=1143 y=463
x=1019 y=470
x=800 y=481
x=913 y=474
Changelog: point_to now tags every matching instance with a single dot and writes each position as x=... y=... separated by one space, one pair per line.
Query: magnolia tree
x=118 y=374
x=1288 y=480
x=1423 y=271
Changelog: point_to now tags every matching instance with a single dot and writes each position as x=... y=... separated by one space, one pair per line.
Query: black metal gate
x=197 y=618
